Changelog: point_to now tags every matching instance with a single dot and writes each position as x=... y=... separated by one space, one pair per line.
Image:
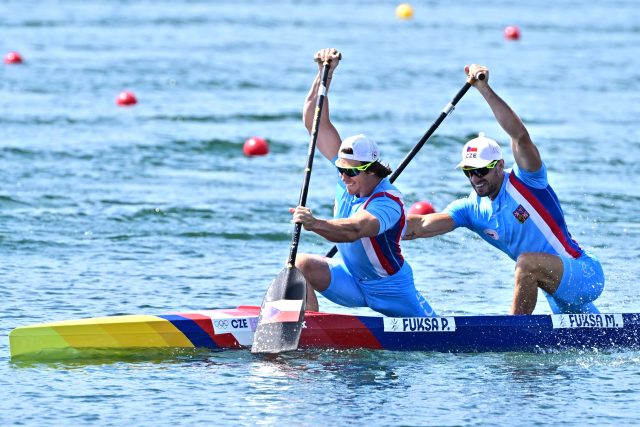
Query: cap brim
x=351 y=157
x=473 y=163
x=346 y=156
x=340 y=160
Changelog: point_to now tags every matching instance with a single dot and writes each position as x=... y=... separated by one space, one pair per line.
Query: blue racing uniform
x=373 y=273
x=526 y=216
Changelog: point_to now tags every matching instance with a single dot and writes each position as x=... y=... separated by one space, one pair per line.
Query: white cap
x=364 y=149
x=479 y=152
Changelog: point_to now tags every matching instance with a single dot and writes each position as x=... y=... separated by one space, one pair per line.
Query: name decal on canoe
x=419 y=324
x=565 y=321
x=234 y=324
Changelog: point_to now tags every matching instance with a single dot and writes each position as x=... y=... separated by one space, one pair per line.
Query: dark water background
x=154 y=208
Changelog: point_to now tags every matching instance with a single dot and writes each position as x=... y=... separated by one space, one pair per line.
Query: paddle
x=282 y=312
x=445 y=112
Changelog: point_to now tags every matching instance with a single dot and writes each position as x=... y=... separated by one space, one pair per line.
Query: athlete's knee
x=526 y=271
x=304 y=262
x=527 y=263
x=540 y=270
x=541 y=267
x=315 y=269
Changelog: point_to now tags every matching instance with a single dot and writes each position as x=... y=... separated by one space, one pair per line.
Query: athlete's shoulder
x=386 y=189
x=535 y=179
x=463 y=205
x=386 y=185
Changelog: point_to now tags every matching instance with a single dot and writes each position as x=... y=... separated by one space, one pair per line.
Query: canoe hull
x=234 y=328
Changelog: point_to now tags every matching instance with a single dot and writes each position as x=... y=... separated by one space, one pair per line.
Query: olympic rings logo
x=221 y=324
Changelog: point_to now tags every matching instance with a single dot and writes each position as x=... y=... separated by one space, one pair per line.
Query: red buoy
x=126 y=98
x=512 y=33
x=421 y=208
x=255 y=146
x=13 y=58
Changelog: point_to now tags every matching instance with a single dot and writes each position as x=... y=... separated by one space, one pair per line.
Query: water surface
x=154 y=208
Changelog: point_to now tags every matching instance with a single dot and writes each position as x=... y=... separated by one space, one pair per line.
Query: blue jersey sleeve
x=386 y=210
x=458 y=210
x=537 y=179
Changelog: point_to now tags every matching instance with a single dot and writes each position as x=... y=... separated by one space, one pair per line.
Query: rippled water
x=154 y=208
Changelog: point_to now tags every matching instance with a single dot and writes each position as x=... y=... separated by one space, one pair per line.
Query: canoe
x=234 y=328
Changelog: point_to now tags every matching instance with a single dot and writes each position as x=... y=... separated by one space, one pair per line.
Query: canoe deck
x=234 y=328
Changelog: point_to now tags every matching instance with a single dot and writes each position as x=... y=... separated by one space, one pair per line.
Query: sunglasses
x=479 y=172
x=354 y=171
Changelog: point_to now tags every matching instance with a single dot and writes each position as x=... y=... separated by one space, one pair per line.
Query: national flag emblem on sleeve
x=284 y=310
x=472 y=149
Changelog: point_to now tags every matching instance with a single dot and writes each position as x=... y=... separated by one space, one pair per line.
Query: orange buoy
x=255 y=146
x=422 y=208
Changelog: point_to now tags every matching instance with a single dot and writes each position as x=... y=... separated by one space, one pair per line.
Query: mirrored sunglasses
x=354 y=171
x=479 y=172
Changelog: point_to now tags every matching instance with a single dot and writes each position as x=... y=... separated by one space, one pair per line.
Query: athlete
x=369 y=221
x=518 y=212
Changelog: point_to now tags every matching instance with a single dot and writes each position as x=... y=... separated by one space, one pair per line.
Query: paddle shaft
x=445 y=112
x=322 y=93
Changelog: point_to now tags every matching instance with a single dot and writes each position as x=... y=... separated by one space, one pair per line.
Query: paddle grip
x=339 y=58
x=479 y=76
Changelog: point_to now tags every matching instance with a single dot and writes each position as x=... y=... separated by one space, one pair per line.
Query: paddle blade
x=282 y=314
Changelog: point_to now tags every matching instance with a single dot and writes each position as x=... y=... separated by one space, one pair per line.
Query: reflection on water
x=77 y=358
x=352 y=368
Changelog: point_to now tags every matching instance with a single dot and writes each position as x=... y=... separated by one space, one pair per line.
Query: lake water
x=154 y=208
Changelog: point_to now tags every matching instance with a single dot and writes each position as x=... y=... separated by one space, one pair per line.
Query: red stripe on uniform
x=384 y=261
x=401 y=225
x=544 y=214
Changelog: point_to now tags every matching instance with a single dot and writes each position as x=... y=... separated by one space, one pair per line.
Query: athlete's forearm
x=309 y=108
x=429 y=225
x=338 y=230
x=524 y=150
x=506 y=117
